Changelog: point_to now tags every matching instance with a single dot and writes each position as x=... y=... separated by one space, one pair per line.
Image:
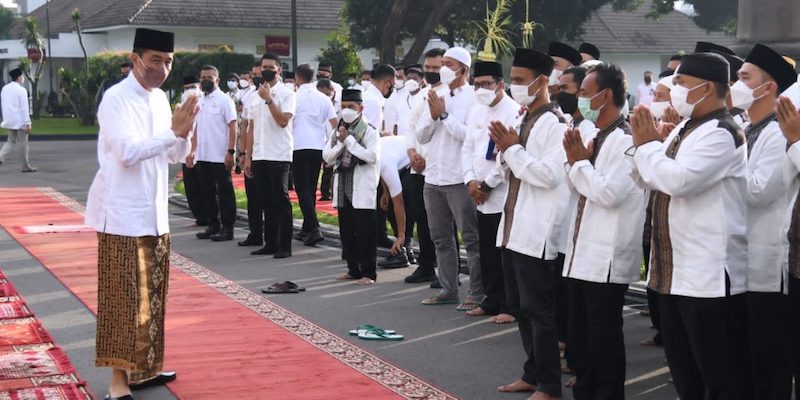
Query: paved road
x=466 y=356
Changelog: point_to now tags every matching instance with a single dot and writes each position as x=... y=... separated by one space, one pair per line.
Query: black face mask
x=207 y=86
x=268 y=75
x=389 y=93
x=257 y=81
x=432 y=78
x=568 y=102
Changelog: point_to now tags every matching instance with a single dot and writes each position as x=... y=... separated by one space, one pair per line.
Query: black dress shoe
x=160 y=379
x=222 y=236
x=420 y=275
x=412 y=259
x=301 y=236
x=250 y=242
x=396 y=261
x=325 y=198
x=283 y=254
x=210 y=231
x=313 y=239
x=264 y=251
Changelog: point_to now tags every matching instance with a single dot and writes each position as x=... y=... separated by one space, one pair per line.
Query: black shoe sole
x=394 y=266
x=313 y=241
x=423 y=279
x=248 y=244
x=221 y=239
x=262 y=252
x=282 y=255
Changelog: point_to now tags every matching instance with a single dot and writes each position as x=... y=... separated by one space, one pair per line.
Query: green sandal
x=379 y=334
x=367 y=327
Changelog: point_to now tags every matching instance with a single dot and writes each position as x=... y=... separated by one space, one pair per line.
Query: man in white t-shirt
x=269 y=156
x=394 y=197
x=646 y=89
x=313 y=120
x=213 y=147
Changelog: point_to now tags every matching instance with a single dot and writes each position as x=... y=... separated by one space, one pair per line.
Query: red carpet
x=226 y=342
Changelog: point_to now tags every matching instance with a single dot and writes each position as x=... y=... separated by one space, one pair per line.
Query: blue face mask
x=585 y=107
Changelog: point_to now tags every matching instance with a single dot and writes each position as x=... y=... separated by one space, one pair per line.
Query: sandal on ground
x=367 y=327
x=467 y=306
x=283 y=287
x=379 y=334
x=438 y=300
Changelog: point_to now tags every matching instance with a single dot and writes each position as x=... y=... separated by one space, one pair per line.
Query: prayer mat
x=23 y=332
x=14 y=310
x=30 y=229
x=35 y=363
x=36 y=382
x=68 y=391
x=7 y=289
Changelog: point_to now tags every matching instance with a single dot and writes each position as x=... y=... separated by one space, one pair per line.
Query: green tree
x=374 y=24
x=32 y=40
x=713 y=15
x=342 y=55
x=7 y=20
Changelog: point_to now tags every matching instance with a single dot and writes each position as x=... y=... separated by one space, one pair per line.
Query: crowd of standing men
x=556 y=190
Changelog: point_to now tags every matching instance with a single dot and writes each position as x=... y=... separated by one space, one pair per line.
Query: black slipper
x=284 y=287
x=126 y=397
x=160 y=379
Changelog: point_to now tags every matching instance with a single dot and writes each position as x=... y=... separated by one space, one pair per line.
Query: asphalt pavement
x=466 y=356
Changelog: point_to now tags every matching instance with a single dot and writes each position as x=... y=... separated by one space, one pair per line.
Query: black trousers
x=218 y=196
x=794 y=331
x=416 y=209
x=326 y=187
x=305 y=170
x=530 y=287
x=272 y=179
x=706 y=346
x=561 y=295
x=595 y=339
x=255 y=210
x=382 y=216
x=357 y=228
x=768 y=330
x=194 y=194
x=652 y=300
x=491 y=265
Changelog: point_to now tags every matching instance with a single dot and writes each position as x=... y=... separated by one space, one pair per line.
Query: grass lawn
x=60 y=126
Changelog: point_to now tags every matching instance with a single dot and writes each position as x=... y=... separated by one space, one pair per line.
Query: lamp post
x=49 y=47
x=294 y=35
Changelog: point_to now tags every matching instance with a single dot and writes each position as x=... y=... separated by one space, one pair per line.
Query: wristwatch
x=443 y=116
x=231 y=151
x=268 y=101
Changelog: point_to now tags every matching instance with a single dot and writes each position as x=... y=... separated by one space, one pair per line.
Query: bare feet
x=517 y=387
x=119 y=384
x=364 y=281
x=344 y=277
x=501 y=319
x=571 y=382
x=542 y=396
x=476 y=312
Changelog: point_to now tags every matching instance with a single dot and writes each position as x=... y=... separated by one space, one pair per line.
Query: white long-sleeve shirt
x=766 y=207
x=16 y=113
x=374 y=102
x=707 y=222
x=608 y=247
x=445 y=138
x=474 y=161
x=135 y=146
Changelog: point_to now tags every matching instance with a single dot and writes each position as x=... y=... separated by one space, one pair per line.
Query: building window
x=210 y=48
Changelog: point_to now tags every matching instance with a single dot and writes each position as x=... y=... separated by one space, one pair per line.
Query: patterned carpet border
x=399 y=381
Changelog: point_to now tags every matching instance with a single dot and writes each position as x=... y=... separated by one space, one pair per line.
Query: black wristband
x=231 y=151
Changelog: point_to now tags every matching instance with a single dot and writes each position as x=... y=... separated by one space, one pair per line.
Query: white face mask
x=553 y=80
x=351 y=82
x=244 y=84
x=289 y=86
x=657 y=108
x=485 y=96
x=399 y=84
x=349 y=115
x=742 y=96
x=520 y=94
x=447 y=75
x=366 y=84
x=679 y=96
x=411 y=85
x=232 y=85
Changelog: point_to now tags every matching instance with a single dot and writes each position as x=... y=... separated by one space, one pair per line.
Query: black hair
x=612 y=77
x=324 y=84
x=383 y=71
x=578 y=73
x=365 y=72
x=271 y=56
x=433 y=53
x=245 y=73
x=676 y=57
x=665 y=73
x=257 y=64
x=15 y=73
x=126 y=64
x=210 y=67
x=304 y=72
x=721 y=89
x=233 y=75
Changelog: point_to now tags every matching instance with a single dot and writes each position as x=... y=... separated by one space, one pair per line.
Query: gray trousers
x=446 y=205
x=18 y=138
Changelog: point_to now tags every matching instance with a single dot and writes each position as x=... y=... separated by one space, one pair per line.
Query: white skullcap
x=460 y=54
x=591 y=63
x=666 y=82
